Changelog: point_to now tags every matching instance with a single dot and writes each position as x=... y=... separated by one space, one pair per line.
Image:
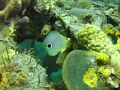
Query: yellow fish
x=55 y=43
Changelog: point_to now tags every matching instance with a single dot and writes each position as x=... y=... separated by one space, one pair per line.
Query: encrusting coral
x=90 y=77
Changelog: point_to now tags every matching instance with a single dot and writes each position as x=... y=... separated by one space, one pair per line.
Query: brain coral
x=95 y=39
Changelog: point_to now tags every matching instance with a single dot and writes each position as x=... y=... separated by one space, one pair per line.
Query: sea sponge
x=3 y=78
x=106 y=73
x=46 y=29
x=102 y=58
x=90 y=77
x=12 y=8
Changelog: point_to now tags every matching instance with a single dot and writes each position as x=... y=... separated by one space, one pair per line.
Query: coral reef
x=72 y=18
x=18 y=70
x=91 y=59
x=95 y=28
x=22 y=73
x=79 y=71
x=95 y=39
x=12 y=8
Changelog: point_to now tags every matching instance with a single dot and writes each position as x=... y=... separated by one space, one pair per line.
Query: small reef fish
x=55 y=43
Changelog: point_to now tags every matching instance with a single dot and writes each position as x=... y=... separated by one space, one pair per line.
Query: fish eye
x=49 y=45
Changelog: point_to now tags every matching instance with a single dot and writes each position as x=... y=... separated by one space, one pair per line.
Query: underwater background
x=59 y=44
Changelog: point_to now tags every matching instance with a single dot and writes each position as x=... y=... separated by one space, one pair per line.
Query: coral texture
x=23 y=72
x=12 y=8
x=79 y=71
x=95 y=39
